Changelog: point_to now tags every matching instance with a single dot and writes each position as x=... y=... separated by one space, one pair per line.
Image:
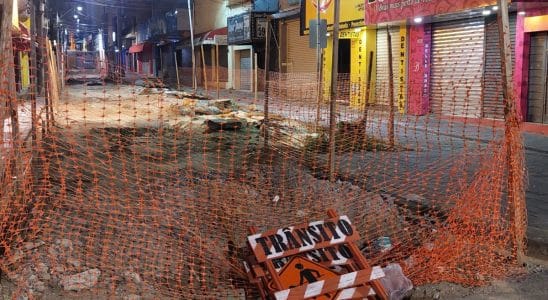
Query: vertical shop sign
x=402 y=69
x=418 y=86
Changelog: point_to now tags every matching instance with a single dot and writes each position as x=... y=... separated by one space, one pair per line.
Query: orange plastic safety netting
x=134 y=189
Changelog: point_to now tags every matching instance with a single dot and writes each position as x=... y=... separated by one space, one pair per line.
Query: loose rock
x=74 y=262
x=224 y=124
x=80 y=281
x=132 y=277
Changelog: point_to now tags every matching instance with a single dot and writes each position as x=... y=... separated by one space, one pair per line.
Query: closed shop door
x=245 y=70
x=299 y=57
x=537 y=110
x=457 y=67
x=382 y=85
x=493 y=102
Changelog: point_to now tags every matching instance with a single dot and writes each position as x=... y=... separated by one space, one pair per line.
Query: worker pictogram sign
x=301 y=271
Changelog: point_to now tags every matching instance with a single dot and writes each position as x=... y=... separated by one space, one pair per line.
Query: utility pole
x=514 y=146
x=333 y=100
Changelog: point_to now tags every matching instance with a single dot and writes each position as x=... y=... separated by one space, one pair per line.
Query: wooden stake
x=177 y=71
x=217 y=68
x=255 y=78
x=319 y=68
x=204 y=71
x=516 y=189
x=194 y=83
x=333 y=100
x=32 y=74
x=391 y=141
x=367 y=88
x=266 y=79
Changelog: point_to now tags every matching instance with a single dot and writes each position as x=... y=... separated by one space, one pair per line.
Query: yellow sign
x=402 y=46
x=352 y=12
x=349 y=35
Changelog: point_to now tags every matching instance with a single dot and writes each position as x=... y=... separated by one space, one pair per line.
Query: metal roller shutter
x=245 y=70
x=300 y=58
x=537 y=110
x=381 y=88
x=457 y=67
x=493 y=103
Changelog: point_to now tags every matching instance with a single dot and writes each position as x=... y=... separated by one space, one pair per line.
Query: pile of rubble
x=55 y=270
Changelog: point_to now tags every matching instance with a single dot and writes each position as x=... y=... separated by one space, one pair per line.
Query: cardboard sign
x=302 y=238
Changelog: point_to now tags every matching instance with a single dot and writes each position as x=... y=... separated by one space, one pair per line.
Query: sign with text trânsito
x=301 y=238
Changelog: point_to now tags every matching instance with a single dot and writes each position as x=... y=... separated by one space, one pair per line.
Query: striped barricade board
x=314 y=260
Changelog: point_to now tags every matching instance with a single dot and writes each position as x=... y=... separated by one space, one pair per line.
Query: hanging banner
x=352 y=12
x=379 y=11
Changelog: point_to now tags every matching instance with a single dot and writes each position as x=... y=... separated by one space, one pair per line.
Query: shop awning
x=287 y=14
x=139 y=47
x=214 y=37
x=21 y=38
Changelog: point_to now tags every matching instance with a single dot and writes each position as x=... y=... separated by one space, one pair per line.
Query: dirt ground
x=531 y=285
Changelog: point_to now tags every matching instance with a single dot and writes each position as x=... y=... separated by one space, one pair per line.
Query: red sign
x=379 y=11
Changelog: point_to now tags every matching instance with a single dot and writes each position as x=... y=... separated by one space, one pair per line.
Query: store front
x=355 y=44
x=382 y=86
x=246 y=35
x=453 y=62
x=144 y=53
x=531 y=65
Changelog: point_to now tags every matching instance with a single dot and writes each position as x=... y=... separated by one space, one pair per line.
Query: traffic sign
x=301 y=271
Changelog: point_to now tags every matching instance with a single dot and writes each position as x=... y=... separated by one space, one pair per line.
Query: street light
x=79 y=8
x=76 y=16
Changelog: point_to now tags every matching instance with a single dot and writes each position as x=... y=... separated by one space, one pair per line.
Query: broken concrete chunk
x=80 y=281
x=32 y=245
x=207 y=110
x=223 y=104
x=224 y=124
